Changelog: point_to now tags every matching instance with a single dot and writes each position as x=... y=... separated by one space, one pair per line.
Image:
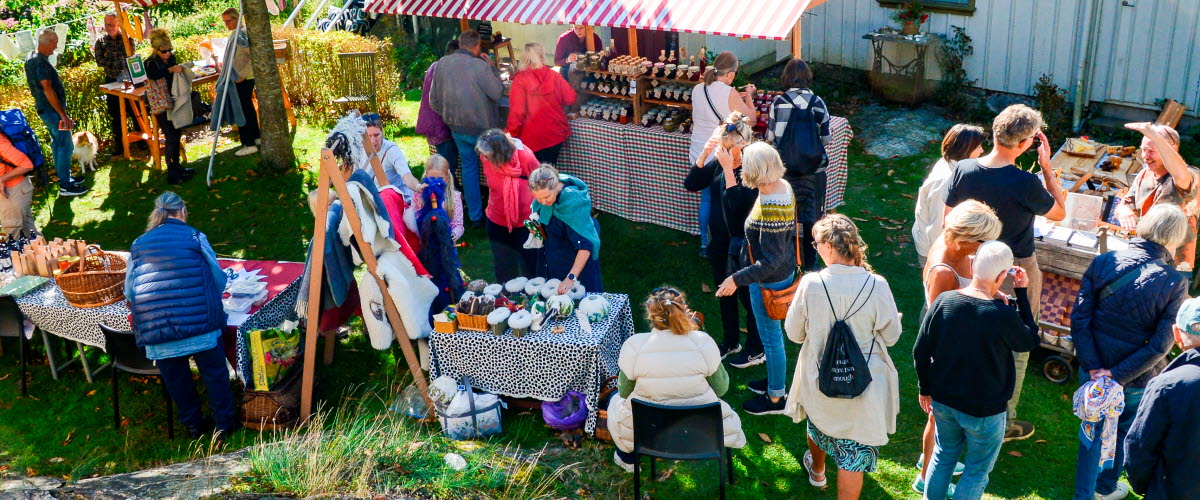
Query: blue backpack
x=14 y=125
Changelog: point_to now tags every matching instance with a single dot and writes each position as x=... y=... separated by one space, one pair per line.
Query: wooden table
x=136 y=97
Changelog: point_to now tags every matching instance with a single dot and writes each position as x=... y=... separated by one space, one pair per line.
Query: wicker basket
x=473 y=322
x=601 y=432
x=274 y=409
x=96 y=279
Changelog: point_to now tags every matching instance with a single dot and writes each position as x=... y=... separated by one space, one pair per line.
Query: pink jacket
x=509 y=197
x=410 y=242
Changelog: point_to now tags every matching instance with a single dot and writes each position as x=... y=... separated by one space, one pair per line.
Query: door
x=1145 y=51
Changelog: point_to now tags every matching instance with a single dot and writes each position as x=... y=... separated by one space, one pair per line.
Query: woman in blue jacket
x=174 y=288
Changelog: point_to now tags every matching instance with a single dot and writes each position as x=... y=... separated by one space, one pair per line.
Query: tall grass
x=362 y=449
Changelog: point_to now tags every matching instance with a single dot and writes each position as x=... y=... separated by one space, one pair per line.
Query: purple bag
x=566 y=414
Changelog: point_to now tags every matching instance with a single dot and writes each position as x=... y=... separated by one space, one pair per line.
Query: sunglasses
x=165 y=51
x=816 y=244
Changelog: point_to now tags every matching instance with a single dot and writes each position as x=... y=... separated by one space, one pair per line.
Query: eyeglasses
x=164 y=51
x=816 y=244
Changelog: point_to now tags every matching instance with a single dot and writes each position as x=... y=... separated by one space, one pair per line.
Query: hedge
x=310 y=78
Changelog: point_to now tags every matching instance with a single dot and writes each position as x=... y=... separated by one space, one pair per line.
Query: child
x=437 y=167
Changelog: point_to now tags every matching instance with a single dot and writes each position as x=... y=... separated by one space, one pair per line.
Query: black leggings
x=173 y=135
x=548 y=155
x=722 y=266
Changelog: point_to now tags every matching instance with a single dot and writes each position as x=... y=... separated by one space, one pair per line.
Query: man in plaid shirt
x=110 y=56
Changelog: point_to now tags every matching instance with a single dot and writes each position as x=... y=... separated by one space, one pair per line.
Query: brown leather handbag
x=777 y=302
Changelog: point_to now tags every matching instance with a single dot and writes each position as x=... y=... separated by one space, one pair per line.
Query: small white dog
x=86 y=147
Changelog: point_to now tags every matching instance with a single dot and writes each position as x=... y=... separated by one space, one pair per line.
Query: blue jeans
x=705 y=211
x=449 y=151
x=177 y=376
x=470 y=174
x=61 y=147
x=981 y=437
x=1089 y=478
x=771 y=334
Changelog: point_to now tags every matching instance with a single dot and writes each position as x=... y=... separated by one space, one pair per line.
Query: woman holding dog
x=162 y=64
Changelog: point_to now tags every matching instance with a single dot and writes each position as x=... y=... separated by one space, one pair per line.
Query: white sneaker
x=628 y=467
x=1121 y=492
x=247 y=151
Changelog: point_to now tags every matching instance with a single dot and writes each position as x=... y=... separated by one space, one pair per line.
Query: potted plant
x=911 y=15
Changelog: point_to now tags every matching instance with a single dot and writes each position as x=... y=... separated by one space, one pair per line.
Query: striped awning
x=766 y=19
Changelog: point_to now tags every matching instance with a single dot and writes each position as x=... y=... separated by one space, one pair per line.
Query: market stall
x=630 y=137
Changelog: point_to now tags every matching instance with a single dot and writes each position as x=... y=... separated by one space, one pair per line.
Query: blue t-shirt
x=38 y=68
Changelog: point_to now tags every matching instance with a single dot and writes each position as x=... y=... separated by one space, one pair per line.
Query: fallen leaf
x=5 y=376
x=705 y=288
x=30 y=472
x=4 y=467
x=909 y=196
x=890 y=172
x=93 y=391
x=1015 y=453
x=860 y=219
x=1040 y=441
x=898 y=181
x=56 y=460
x=665 y=475
x=763 y=436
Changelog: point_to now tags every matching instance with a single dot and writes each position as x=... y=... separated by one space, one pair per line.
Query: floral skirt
x=850 y=456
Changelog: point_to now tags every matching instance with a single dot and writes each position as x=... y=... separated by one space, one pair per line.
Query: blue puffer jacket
x=174 y=294
x=1130 y=332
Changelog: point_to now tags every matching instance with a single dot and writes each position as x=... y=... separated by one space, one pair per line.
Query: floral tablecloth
x=541 y=365
x=637 y=172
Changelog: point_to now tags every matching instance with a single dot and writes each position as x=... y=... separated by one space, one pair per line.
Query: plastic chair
x=679 y=433
x=357 y=79
x=126 y=356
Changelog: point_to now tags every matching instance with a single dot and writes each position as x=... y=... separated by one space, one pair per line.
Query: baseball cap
x=1188 y=317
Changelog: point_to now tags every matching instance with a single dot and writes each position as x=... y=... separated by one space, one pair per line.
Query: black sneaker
x=762 y=405
x=74 y=190
x=222 y=435
x=757 y=386
x=745 y=360
x=199 y=431
x=726 y=350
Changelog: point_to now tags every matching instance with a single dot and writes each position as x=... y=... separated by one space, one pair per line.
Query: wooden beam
x=316 y=276
x=376 y=166
x=588 y=31
x=796 y=40
x=122 y=24
x=464 y=24
x=633 y=48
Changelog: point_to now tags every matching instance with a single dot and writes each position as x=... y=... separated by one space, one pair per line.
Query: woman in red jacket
x=537 y=98
x=506 y=163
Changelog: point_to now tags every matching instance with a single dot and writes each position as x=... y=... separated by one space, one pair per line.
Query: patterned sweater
x=770 y=236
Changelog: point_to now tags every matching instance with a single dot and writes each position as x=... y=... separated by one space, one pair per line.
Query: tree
x=276 y=148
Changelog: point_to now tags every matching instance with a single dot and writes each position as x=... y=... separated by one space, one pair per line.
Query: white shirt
x=931 y=207
x=704 y=122
x=395 y=165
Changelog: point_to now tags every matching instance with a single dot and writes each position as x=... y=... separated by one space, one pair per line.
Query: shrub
x=1056 y=110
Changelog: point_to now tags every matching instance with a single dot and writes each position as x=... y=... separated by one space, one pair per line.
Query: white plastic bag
x=470 y=414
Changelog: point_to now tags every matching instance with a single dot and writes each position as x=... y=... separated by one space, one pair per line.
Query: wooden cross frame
x=331 y=175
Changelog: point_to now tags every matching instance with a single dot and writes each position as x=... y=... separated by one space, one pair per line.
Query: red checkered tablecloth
x=637 y=172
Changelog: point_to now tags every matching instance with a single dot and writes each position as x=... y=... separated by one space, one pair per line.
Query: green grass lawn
x=65 y=428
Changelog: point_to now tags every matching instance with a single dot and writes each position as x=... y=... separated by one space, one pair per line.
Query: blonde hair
x=1164 y=224
x=544 y=177
x=841 y=233
x=533 y=57
x=159 y=38
x=167 y=205
x=992 y=258
x=667 y=310
x=438 y=163
x=972 y=220
x=1015 y=124
x=741 y=128
x=761 y=165
x=724 y=64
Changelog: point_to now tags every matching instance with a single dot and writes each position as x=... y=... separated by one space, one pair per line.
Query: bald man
x=110 y=56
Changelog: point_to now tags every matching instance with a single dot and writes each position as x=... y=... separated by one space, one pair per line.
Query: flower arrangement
x=910 y=13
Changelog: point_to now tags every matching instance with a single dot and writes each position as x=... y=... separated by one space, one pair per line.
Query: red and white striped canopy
x=767 y=19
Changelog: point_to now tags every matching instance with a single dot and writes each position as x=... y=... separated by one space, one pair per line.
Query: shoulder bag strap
x=1127 y=278
x=710 y=105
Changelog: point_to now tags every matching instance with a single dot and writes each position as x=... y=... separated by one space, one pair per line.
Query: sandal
x=808 y=468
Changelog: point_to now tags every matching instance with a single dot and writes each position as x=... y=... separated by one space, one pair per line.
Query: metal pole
x=295 y=12
x=316 y=13
x=230 y=52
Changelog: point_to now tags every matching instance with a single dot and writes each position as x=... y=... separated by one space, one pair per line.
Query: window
x=946 y=6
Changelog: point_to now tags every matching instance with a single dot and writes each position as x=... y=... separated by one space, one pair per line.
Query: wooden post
x=464 y=24
x=380 y=176
x=331 y=174
x=796 y=39
x=589 y=39
x=122 y=23
x=633 y=48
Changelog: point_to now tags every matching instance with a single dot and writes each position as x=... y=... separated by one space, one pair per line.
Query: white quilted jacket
x=671 y=370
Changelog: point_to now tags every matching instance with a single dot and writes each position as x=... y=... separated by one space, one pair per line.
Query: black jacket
x=728 y=219
x=1130 y=332
x=1162 y=449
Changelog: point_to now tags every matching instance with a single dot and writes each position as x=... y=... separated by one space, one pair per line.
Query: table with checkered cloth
x=637 y=172
x=1058 y=299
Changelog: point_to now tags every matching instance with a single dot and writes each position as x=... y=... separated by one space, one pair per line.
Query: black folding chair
x=679 y=433
x=126 y=356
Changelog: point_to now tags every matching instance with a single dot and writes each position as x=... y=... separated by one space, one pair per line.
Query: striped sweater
x=770 y=236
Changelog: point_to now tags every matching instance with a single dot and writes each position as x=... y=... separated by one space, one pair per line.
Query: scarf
x=512 y=184
x=573 y=207
x=1100 y=400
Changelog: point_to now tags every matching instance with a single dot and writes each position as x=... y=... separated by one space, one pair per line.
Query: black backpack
x=800 y=146
x=843 y=372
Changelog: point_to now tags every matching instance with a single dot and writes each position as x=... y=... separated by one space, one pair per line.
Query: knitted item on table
x=437 y=245
x=574 y=207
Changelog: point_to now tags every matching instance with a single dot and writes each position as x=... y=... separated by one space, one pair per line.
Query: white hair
x=45 y=36
x=1164 y=224
x=992 y=258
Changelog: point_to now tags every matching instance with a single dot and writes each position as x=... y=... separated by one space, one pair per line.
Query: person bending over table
x=572 y=244
x=506 y=165
x=1166 y=178
x=174 y=286
x=163 y=65
x=651 y=364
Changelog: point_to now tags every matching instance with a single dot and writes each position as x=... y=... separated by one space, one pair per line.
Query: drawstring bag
x=566 y=414
x=470 y=415
x=843 y=372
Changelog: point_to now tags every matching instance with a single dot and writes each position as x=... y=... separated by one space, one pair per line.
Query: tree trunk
x=276 y=148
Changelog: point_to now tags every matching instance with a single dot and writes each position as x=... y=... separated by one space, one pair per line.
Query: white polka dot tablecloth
x=541 y=365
